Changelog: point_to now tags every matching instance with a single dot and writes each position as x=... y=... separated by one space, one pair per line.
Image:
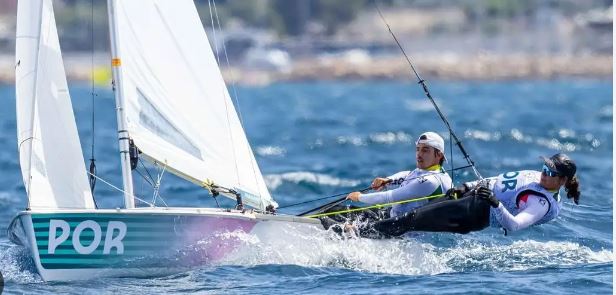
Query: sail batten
x=177 y=108
x=50 y=155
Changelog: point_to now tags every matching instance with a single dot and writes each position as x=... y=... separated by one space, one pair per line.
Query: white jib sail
x=178 y=109
x=50 y=156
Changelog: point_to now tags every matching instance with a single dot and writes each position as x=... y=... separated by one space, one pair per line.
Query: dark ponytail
x=572 y=186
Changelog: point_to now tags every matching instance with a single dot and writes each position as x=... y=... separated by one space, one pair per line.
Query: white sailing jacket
x=519 y=192
x=407 y=185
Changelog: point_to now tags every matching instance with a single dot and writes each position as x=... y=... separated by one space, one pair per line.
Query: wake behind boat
x=173 y=109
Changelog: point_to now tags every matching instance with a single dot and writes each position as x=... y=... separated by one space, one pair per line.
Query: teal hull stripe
x=114 y=251
x=103 y=215
x=131 y=231
x=107 y=261
x=43 y=241
x=126 y=243
x=82 y=266
x=103 y=223
x=86 y=258
x=103 y=219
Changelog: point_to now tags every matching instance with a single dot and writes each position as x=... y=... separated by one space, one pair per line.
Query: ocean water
x=318 y=139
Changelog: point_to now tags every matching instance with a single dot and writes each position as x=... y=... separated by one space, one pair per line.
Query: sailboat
x=173 y=108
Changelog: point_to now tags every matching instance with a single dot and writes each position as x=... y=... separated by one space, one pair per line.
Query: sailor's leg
x=456 y=216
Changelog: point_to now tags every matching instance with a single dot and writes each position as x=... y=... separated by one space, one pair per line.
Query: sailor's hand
x=379 y=183
x=487 y=195
x=354 y=196
x=456 y=192
x=453 y=194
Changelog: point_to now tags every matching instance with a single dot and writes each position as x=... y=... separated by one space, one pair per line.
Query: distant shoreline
x=480 y=67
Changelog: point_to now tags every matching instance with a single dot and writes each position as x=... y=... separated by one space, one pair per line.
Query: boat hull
x=76 y=245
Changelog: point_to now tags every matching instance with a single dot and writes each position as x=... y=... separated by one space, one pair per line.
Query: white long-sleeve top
x=532 y=209
x=407 y=185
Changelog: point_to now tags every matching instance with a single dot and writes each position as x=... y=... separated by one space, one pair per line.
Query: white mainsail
x=177 y=107
x=50 y=155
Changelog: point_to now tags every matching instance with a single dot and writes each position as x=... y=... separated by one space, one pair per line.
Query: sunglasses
x=546 y=171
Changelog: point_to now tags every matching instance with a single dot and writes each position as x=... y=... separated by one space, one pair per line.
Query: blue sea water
x=321 y=138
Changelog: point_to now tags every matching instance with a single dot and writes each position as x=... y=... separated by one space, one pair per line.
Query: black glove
x=487 y=195
x=456 y=192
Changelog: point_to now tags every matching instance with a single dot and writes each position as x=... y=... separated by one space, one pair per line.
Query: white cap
x=433 y=140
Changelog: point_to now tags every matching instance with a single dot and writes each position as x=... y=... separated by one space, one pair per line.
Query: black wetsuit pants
x=462 y=216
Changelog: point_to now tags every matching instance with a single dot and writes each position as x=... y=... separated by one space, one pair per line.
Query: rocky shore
x=432 y=66
x=449 y=67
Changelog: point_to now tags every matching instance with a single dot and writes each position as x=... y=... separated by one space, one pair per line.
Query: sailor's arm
x=398 y=177
x=415 y=188
x=381 y=183
x=536 y=208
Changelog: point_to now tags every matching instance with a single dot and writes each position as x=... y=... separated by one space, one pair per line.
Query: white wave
x=7 y=198
x=551 y=143
x=521 y=255
x=555 y=144
x=16 y=265
x=390 y=137
x=566 y=133
x=519 y=136
x=482 y=135
x=606 y=111
x=273 y=181
x=418 y=105
x=312 y=247
x=352 y=140
x=270 y=151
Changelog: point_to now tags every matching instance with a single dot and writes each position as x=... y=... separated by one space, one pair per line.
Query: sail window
x=157 y=123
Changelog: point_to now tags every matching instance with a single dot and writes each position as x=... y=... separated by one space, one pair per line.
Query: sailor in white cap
x=427 y=179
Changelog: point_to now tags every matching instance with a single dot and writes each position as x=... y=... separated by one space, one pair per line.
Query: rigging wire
x=216 y=200
x=235 y=94
x=151 y=179
x=329 y=205
x=336 y=202
x=151 y=183
x=120 y=190
x=156 y=194
x=451 y=160
x=377 y=206
x=422 y=82
x=155 y=184
x=237 y=173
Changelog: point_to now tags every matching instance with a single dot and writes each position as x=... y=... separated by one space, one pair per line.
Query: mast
x=123 y=136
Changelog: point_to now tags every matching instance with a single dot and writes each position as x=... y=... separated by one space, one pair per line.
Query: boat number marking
x=110 y=242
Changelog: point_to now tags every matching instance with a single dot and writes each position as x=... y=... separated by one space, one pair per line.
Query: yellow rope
x=375 y=206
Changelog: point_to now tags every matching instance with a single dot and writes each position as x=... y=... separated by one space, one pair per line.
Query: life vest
x=511 y=186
